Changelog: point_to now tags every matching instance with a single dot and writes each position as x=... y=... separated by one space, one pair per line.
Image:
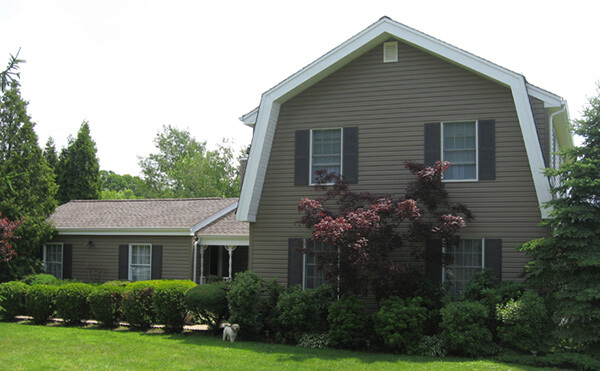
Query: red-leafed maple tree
x=363 y=229
x=7 y=228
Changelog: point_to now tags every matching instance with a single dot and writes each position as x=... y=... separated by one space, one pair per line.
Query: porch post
x=202 y=249
x=230 y=251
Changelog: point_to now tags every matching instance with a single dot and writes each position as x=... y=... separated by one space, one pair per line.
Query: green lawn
x=25 y=347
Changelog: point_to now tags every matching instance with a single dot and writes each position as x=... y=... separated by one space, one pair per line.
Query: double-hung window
x=326 y=151
x=313 y=276
x=466 y=259
x=53 y=259
x=459 y=147
x=140 y=262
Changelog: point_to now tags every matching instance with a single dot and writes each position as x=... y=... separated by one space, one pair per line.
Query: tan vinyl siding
x=543 y=129
x=390 y=103
x=101 y=262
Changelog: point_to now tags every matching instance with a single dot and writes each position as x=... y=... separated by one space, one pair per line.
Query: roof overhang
x=266 y=115
x=124 y=232
x=223 y=240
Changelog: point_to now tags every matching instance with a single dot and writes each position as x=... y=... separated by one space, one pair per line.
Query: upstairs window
x=459 y=143
x=140 y=259
x=326 y=152
x=53 y=259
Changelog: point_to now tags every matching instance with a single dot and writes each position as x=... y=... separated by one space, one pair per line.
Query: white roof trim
x=249 y=119
x=214 y=217
x=221 y=240
x=124 y=232
x=268 y=111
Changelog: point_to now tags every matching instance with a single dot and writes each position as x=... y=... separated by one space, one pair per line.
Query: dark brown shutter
x=302 y=158
x=123 y=262
x=67 y=261
x=295 y=261
x=487 y=150
x=433 y=261
x=493 y=257
x=350 y=155
x=433 y=144
x=156 y=270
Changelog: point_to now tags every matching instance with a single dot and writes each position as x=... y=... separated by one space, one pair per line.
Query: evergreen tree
x=566 y=266
x=50 y=153
x=27 y=186
x=77 y=171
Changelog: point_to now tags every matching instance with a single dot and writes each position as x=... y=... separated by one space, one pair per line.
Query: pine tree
x=27 y=184
x=77 y=171
x=566 y=266
x=50 y=153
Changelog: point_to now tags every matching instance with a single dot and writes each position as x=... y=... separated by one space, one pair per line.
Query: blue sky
x=130 y=67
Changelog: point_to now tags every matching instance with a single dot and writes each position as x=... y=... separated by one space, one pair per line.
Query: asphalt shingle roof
x=147 y=213
x=227 y=225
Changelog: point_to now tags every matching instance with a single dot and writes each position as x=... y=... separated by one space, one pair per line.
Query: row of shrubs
x=141 y=304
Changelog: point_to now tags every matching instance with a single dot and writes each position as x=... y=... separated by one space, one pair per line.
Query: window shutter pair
x=433 y=253
x=302 y=174
x=155 y=269
x=296 y=260
x=486 y=147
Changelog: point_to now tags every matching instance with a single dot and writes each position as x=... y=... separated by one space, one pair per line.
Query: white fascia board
x=249 y=119
x=124 y=232
x=221 y=240
x=550 y=100
x=338 y=57
x=218 y=215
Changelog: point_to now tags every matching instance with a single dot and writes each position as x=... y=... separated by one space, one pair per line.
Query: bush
x=464 y=329
x=400 y=323
x=14 y=299
x=268 y=313
x=105 y=303
x=524 y=323
x=432 y=346
x=209 y=303
x=314 y=340
x=297 y=313
x=322 y=296
x=137 y=304
x=244 y=303
x=168 y=301
x=71 y=302
x=39 y=302
x=40 y=279
x=347 y=322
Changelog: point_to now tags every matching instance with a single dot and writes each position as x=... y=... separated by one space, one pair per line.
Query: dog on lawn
x=230 y=332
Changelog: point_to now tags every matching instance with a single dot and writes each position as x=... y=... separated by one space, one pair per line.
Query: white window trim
x=482 y=255
x=310 y=165
x=476 y=179
x=129 y=264
x=62 y=256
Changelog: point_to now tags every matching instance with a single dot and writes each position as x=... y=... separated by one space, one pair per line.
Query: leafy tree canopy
x=566 y=265
x=118 y=187
x=184 y=168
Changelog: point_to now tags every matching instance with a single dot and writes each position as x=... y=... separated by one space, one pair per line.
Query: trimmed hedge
x=169 y=304
x=298 y=313
x=245 y=304
x=39 y=302
x=14 y=299
x=105 y=303
x=209 y=303
x=138 y=310
x=464 y=329
x=40 y=279
x=399 y=324
x=347 y=322
x=71 y=302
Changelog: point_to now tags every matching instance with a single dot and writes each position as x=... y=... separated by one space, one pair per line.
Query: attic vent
x=390 y=52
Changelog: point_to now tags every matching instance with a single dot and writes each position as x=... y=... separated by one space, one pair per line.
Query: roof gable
x=265 y=118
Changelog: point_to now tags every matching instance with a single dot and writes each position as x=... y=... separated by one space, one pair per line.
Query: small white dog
x=230 y=332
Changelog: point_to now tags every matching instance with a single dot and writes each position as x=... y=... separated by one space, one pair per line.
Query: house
x=392 y=94
x=103 y=240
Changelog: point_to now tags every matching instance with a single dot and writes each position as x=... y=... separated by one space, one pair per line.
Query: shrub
x=137 y=304
x=432 y=346
x=71 y=302
x=464 y=329
x=39 y=302
x=297 y=313
x=268 y=313
x=347 y=322
x=400 y=323
x=105 y=303
x=168 y=302
x=244 y=303
x=314 y=340
x=14 y=299
x=322 y=297
x=40 y=279
x=524 y=323
x=209 y=303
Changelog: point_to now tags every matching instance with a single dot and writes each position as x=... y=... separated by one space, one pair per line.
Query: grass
x=28 y=347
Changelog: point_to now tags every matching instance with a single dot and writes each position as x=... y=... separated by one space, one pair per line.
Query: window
x=53 y=259
x=326 y=151
x=313 y=277
x=466 y=259
x=459 y=147
x=140 y=259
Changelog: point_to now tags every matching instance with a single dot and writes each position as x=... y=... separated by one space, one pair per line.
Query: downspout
x=563 y=109
x=195 y=253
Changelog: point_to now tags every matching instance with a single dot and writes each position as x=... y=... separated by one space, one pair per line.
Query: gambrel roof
x=265 y=117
